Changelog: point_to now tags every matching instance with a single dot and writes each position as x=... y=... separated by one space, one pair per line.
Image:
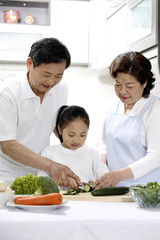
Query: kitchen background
x=94 y=31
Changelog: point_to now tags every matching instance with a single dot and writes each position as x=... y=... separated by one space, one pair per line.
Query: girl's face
x=128 y=88
x=74 y=134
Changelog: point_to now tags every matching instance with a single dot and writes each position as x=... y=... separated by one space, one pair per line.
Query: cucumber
x=73 y=191
x=108 y=191
x=87 y=187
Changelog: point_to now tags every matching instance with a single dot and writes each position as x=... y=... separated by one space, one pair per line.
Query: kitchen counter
x=81 y=220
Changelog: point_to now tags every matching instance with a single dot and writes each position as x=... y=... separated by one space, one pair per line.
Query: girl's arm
x=104 y=160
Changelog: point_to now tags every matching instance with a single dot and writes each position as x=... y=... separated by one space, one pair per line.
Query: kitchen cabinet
x=152 y=55
x=108 y=33
x=65 y=20
x=69 y=21
x=116 y=41
x=97 y=34
x=38 y=9
x=17 y=38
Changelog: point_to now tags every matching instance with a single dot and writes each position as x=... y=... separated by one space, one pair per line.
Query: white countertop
x=82 y=221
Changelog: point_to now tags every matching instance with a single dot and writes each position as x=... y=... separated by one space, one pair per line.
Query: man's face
x=45 y=76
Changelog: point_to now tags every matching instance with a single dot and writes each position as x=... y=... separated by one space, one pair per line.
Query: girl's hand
x=113 y=178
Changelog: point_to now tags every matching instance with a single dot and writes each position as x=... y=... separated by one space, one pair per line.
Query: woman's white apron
x=123 y=141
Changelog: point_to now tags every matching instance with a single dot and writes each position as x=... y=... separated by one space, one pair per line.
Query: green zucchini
x=109 y=191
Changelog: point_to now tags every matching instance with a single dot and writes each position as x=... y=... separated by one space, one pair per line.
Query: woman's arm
x=150 y=138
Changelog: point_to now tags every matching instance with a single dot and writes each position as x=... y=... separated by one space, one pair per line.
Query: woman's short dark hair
x=49 y=50
x=67 y=114
x=137 y=65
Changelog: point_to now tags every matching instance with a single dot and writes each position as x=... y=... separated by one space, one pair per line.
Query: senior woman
x=130 y=142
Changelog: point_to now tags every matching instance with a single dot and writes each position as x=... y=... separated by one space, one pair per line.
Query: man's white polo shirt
x=26 y=120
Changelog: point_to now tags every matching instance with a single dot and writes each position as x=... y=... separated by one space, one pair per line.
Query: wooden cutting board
x=88 y=197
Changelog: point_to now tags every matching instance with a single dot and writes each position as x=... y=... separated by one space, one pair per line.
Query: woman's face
x=74 y=134
x=128 y=88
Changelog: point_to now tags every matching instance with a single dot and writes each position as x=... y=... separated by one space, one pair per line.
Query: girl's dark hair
x=67 y=114
x=49 y=50
x=137 y=65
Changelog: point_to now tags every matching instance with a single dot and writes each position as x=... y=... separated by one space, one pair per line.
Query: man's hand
x=63 y=175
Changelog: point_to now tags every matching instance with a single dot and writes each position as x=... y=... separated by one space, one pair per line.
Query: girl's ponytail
x=58 y=119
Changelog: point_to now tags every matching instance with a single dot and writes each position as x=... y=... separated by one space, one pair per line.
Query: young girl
x=72 y=126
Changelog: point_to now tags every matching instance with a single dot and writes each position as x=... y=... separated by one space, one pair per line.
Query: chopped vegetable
x=47 y=199
x=89 y=187
x=3 y=186
x=25 y=184
x=74 y=191
x=46 y=185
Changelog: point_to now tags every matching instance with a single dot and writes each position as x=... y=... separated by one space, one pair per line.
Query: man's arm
x=61 y=174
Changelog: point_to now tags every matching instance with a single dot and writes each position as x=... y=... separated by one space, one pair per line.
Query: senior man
x=28 y=108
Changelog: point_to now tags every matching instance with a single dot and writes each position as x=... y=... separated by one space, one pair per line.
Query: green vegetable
x=87 y=188
x=25 y=184
x=31 y=184
x=149 y=195
x=74 y=191
x=46 y=185
x=106 y=191
x=152 y=185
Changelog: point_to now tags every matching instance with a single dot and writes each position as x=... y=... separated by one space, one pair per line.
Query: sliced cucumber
x=87 y=187
x=73 y=191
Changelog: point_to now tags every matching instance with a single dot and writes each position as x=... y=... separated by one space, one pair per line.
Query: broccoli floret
x=25 y=184
x=46 y=185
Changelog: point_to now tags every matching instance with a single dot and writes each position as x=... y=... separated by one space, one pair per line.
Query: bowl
x=146 y=197
x=5 y=197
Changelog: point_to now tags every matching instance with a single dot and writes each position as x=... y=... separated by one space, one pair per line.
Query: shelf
x=39 y=10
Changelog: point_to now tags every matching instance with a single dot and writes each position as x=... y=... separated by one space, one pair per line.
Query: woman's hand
x=63 y=175
x=113 y=178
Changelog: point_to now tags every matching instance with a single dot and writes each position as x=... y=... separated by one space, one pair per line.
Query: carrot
x=16 y=198
x=47 y=199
